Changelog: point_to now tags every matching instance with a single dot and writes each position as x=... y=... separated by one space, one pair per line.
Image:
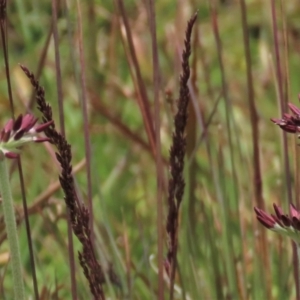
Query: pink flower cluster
x=285 y=224
x=289 y=123
x=20 y=131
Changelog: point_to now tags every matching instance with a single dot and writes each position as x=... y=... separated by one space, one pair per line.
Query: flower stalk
x=15 y=134
x=298 y=259
x=11 y=229
x=284 y=224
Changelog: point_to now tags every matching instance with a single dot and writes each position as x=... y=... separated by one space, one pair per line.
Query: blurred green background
x=220 y=240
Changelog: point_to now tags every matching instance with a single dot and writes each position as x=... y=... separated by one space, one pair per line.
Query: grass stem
x=298 y=263
x=11 y=229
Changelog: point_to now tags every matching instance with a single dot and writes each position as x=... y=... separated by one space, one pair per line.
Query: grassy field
x=111 y=73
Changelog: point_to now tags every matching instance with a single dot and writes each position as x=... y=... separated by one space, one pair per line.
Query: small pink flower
x=289 y=123
x=19 y=132
x=284 y=224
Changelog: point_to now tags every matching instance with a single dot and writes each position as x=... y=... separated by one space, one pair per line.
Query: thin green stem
x=298 y=258
x=11 y=229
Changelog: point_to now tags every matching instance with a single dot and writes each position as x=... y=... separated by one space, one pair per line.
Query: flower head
x=18 y=132
x=284 y=224
x=290 y=123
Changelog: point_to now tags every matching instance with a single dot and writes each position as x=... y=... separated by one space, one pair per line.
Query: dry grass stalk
x=177 y=152
x=79 y=214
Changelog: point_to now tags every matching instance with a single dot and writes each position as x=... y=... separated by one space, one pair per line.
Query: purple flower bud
x=11 y=155
x=42 y=127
